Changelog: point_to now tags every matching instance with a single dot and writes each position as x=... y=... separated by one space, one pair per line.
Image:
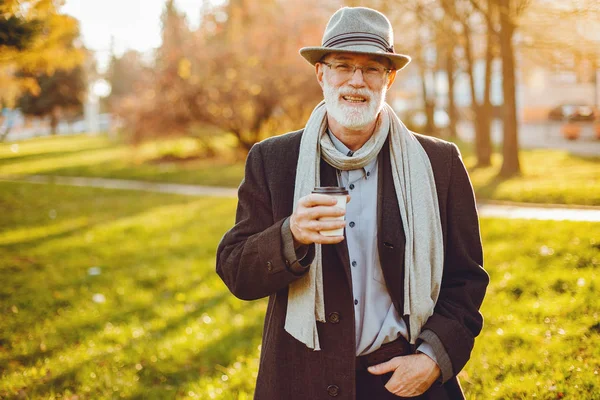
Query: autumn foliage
x=240 y=72
x=36 y=40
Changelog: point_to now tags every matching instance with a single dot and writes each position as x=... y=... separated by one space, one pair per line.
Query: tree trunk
x=510 y=147
x=447 y=46
x=53 y=122
x=475 y=108
x=4 y=133
x=428 y=104
x=484 y=148
x=452 y=114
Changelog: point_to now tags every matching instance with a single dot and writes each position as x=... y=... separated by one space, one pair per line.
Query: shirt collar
x=341 y=147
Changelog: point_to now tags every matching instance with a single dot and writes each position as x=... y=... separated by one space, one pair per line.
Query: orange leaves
x=185 y=69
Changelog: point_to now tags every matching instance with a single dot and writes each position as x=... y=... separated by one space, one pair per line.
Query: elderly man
x=389 y=308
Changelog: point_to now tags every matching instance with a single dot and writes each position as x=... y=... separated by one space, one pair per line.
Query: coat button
x=334 y=318
x=287 y=263
x=269 y=265
x=333 y=390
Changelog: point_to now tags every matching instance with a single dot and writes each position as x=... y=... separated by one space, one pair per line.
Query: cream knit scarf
x=417 y=197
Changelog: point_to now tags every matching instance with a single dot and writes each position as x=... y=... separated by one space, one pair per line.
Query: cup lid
x=330 y=190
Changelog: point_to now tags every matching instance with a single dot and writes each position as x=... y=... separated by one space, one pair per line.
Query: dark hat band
x=358 y=38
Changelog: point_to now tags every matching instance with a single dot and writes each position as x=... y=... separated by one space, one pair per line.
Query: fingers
x=325 y=225
x=384 y=368
x=315 y=199
x=309 y=231
x=314 y=214
x=412 y=376
x=328 y=239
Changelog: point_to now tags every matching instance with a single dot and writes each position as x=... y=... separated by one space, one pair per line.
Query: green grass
x=166 y=327
x=549 y=176
x=98 y=156
x=542 y=311
x=162 y=324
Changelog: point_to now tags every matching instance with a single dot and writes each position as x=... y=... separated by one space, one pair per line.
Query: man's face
x=354 y=100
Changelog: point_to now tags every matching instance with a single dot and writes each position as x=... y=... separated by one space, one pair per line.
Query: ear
x=391 y=78
x=319 y=72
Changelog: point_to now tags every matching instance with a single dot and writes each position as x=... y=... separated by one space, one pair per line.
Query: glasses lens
x=371 y=73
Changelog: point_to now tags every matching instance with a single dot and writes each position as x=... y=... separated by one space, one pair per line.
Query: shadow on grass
x=77 y=332
x=229 y=347
x=69 y=203
x=50 y=153
x=155 y=272
x=224 y=353
x=25 y=244
x=487 y=190
x=205 y=172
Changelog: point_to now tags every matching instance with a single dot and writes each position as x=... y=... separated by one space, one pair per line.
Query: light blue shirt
x=376 y=319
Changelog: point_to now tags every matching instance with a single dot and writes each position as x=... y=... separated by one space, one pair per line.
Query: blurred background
x=124 y=128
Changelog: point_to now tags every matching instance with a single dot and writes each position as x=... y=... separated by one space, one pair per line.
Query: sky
x=134 y=24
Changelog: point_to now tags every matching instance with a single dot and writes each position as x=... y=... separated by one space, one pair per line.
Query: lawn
x=111 y=294
x=549 y=176
x=99 y=156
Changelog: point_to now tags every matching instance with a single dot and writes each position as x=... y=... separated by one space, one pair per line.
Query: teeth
x=354 y=99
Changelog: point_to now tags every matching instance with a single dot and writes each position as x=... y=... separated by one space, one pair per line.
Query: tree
x=127 y=75
x=255 y=83
x=509 y=10
x=234 y=74
x=17 y=33
x=158 y=107
x=60 y=93
x=37 y=40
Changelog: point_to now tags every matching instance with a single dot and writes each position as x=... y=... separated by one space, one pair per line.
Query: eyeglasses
x=370 y=73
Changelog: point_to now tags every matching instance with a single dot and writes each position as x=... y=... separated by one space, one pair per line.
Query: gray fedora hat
x=357 y=30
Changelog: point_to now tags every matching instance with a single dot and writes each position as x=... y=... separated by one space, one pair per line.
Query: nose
x=357 y=79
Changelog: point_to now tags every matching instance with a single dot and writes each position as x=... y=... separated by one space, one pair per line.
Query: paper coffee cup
x=340 y=193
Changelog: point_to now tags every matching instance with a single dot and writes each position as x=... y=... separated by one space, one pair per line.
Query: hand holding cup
x=319 y=218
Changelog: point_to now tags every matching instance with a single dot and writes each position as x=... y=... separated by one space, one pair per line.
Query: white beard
x=349 y=117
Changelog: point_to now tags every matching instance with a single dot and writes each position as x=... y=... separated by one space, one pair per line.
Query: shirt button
x=354 y=263
x=355 y=302
x=368 y=174
x=333 y=390
x=269 y=265
x=352 y=186
x=352 y=224
x=334 y=318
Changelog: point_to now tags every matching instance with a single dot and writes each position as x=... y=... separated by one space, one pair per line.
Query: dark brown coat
x=251 y=263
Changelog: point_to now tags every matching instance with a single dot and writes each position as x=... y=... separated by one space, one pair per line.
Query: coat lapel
x=391 y=240
x=329 y=178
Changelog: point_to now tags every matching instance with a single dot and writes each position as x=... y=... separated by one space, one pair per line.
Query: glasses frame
x=354 y=68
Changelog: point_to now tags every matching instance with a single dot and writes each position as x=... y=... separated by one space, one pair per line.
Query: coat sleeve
x=251 y=257
x=456 y=320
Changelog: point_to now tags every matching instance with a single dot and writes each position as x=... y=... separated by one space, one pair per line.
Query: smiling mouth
x=354 y=99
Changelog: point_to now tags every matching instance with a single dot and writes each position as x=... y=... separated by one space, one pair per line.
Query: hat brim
x=315 y=54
